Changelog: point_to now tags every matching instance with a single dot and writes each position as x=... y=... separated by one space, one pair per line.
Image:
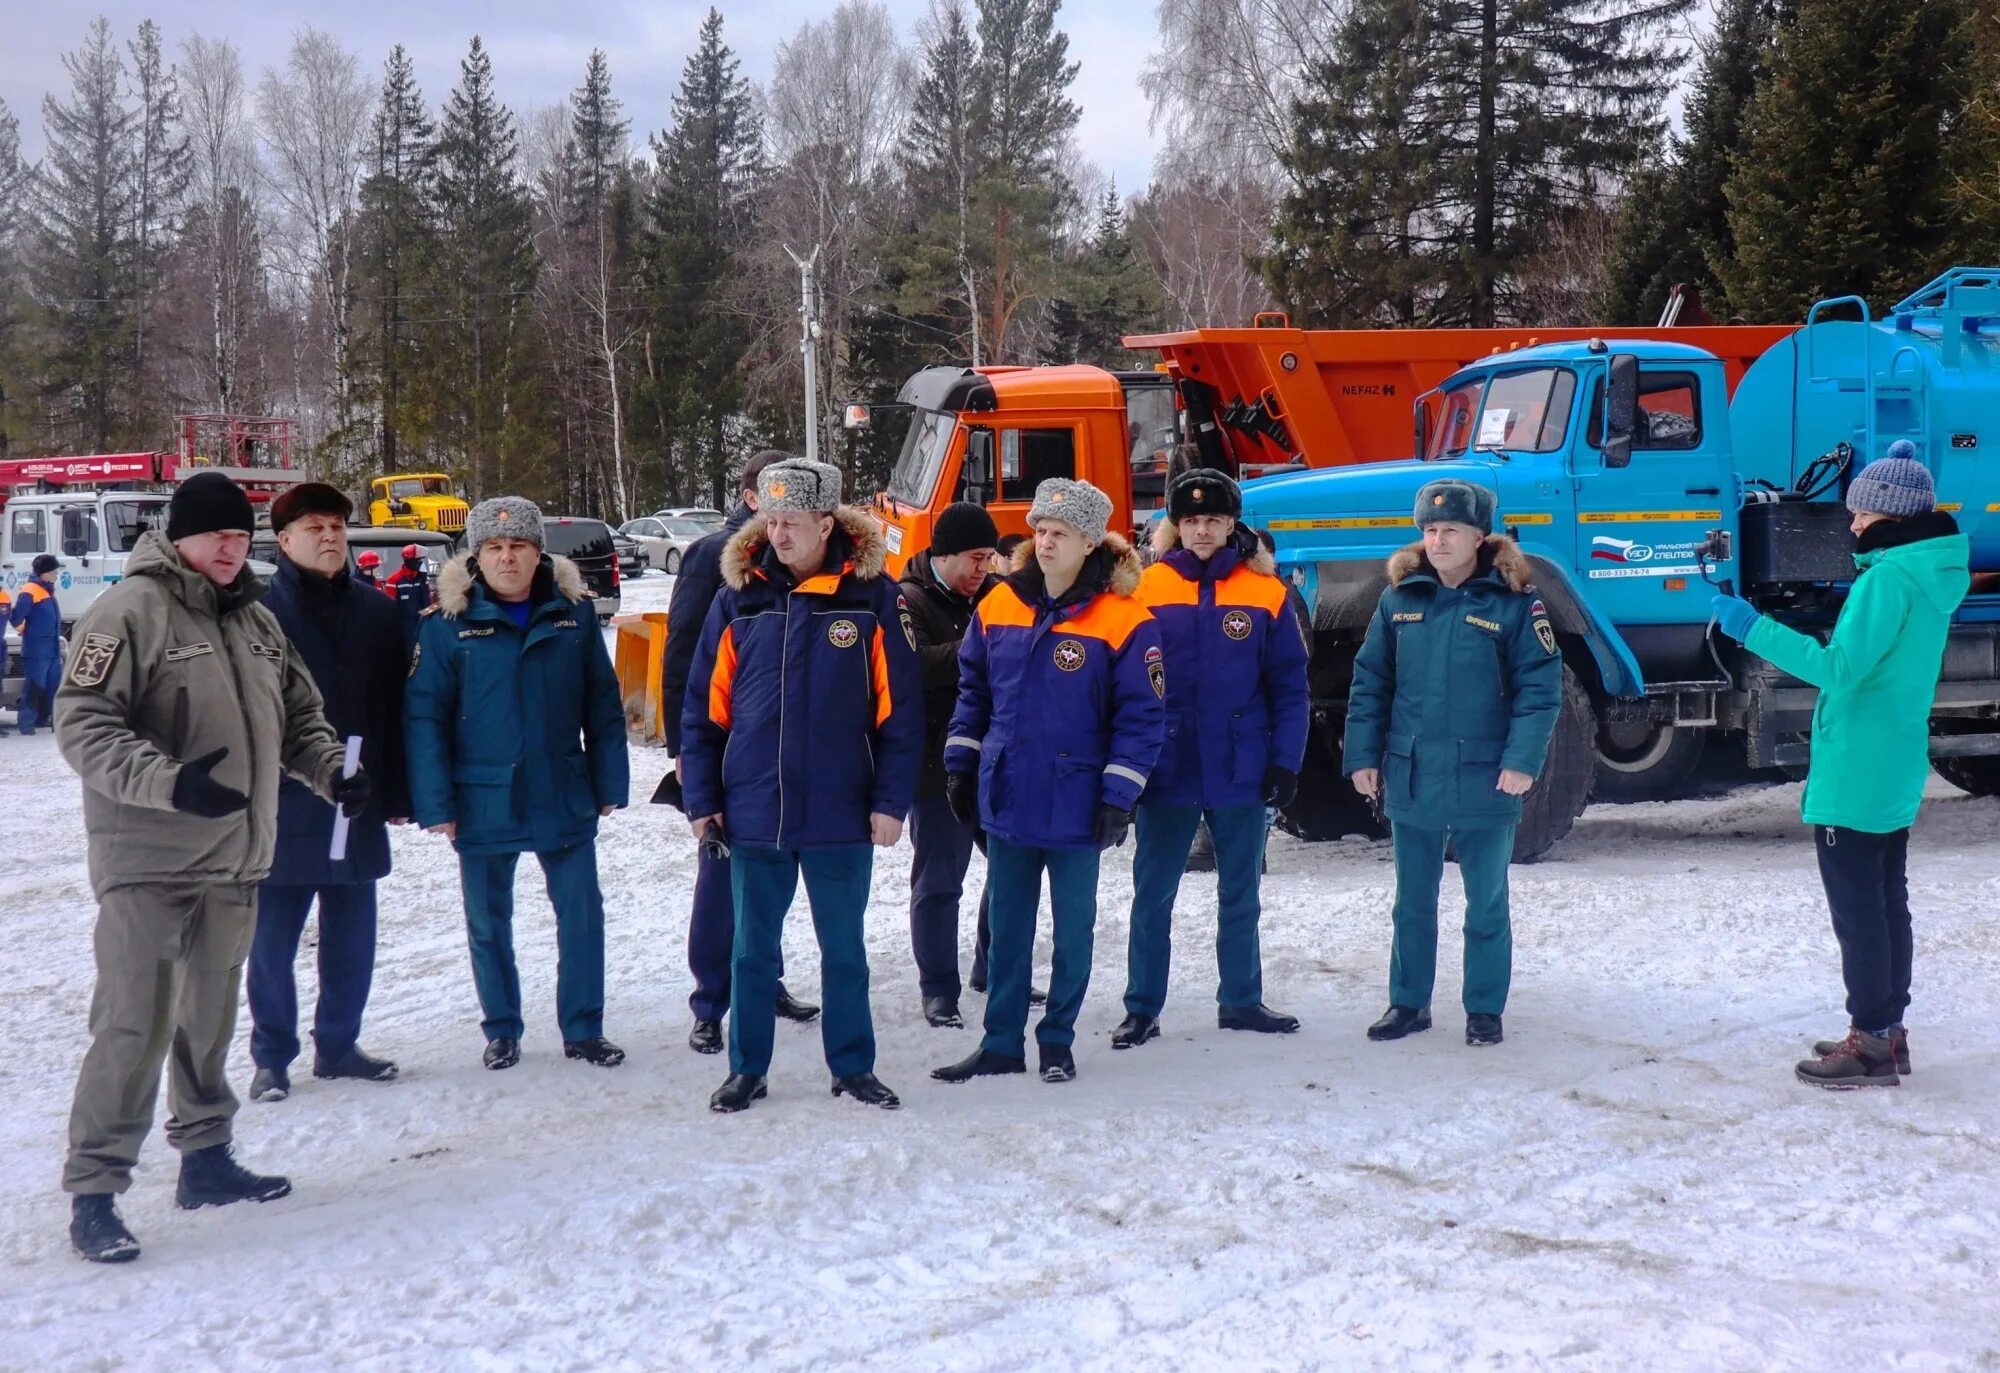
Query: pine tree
x=83 y=255
x=396 y=241
x=1110 y=293
x=1479 y=124
x=598 y=198
x=1843 y=186
x=479 y=353
x=1674 y=219
x=707 y=168
x=161 y=168
x=1022 y=118
x=928 y=268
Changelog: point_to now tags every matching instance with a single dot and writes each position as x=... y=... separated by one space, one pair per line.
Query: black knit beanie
x=962 y=527
x=206 y=503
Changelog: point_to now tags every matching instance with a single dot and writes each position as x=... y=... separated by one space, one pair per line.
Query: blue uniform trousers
x=1014 y=882
x=346 y=969
x=40 y=676
x=1483 y=856
x=571 y=877
x=943 y=850
x=1166 y=834
x=764 y=880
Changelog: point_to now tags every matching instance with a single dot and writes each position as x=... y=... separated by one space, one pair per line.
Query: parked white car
x=666 y=537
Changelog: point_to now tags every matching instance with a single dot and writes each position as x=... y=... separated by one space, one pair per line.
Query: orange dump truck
x=1251 y=399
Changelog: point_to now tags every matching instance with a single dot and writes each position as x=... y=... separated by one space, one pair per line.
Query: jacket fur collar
x=455 y=578
x=1250 y=550
x=1497 y=553
x=1120 y=577
x=747 y=545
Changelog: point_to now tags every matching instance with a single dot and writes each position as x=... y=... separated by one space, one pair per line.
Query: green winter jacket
x=1878 y=673
x=1452 y=685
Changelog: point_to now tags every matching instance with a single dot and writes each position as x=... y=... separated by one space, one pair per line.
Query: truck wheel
x=1563 y=789
x=1328 y=806
x=1644 y=760
x=1979 y=776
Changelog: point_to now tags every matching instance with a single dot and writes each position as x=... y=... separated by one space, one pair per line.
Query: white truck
x=92 y=532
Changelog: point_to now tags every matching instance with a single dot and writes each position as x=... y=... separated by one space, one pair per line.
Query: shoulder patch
x=1156 y=671
x=93 y=659
x=416 y=656
x=903 y=614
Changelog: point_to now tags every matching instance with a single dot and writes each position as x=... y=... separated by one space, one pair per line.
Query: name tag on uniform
x=185 y=651
x=1406 y=617
x=565 y=624
x=1478 y=623
x=265 y=651
x=475 y=633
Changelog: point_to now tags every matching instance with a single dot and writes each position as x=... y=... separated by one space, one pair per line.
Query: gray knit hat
x=1079 y=505
x=1452 y=501
x=1897 y=485
x=504 y=517
x=798 y=484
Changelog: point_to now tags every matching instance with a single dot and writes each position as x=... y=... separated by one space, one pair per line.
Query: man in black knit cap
x=942 y=585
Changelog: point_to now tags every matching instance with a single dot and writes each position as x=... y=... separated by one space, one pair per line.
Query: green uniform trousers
x=169 y=964
x=1483 y=856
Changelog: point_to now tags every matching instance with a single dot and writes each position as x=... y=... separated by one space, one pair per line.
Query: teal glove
x=1734 y=616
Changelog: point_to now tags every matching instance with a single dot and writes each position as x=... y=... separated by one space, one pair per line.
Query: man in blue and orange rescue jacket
x=1058 y=724
x=1455 y=696
x=39 y=620
x=801 y=739
x=516 y=740
x=712 y=914
x=1237 y=710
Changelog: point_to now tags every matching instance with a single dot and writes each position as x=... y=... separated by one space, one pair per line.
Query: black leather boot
x=736 y=1093
x=96 y=1232
x=1260 y=1019
x=213 y=1177
x=979 y=1063
x=1133 y=1031
x=867 y=1089
x=1398 y=1021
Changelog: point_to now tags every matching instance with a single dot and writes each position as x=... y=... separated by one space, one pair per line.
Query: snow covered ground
x=1633 y=1180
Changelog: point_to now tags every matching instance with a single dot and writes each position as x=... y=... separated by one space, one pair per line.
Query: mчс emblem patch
x=1156 y=671
x=1069 y=655
x=843 y=634
x=1236 y=625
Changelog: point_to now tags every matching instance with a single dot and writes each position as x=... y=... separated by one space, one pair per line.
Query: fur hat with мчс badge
x=800 y=485
x=1451 y=501
x=309 y=498
x=1077 y=504
x=504 y=517
x=1204 y=491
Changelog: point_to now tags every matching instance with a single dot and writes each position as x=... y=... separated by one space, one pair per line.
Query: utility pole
x=809 y=346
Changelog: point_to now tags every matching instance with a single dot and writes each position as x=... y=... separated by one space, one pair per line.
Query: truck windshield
x=1526 y=412
x=125 y=521
x=922 y=458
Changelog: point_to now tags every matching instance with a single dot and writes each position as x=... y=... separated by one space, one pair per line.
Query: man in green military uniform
x=182 y=705
x=1455 y=694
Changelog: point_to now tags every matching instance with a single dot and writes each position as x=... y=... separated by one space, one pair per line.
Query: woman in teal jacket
x=1876 y=676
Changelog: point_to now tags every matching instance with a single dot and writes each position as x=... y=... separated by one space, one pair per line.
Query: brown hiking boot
x=1860 y=1060
x=1899 y=1038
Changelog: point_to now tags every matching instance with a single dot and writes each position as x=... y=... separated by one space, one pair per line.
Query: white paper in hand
x=349 y=764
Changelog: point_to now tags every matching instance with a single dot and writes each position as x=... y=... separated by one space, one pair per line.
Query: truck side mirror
x=979 y=466
x=1420 y=417
x=1621 y=409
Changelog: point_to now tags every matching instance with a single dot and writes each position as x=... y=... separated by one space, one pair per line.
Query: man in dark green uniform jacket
x=1455 y=694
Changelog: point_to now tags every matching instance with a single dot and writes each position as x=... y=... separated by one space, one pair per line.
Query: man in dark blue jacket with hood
x=351 y=640
x=712 y=922
x=517 y=745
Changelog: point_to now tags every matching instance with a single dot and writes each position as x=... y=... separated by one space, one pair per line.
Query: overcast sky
x=539 y=48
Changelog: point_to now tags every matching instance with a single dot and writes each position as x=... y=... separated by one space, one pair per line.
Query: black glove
x=961 y=792
x=196 y=793
x=668 y=793
x=1281 y=785
x=351 y=793
x=1113 y=825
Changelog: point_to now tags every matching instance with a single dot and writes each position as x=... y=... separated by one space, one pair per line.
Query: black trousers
x=1869 y=893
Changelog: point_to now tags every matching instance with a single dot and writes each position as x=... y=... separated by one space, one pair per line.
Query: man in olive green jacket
x=1455 y=695
x=181 y=705
x=1877 y=676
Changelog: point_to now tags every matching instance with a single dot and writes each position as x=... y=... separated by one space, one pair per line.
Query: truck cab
x=92 y=532
x=992 y=434
x=416 y=500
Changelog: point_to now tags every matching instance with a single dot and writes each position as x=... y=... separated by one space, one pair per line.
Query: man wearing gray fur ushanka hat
x=504 y=517
x=798 y=484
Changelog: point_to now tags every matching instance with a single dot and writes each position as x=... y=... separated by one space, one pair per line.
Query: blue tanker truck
x=1636 y=485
